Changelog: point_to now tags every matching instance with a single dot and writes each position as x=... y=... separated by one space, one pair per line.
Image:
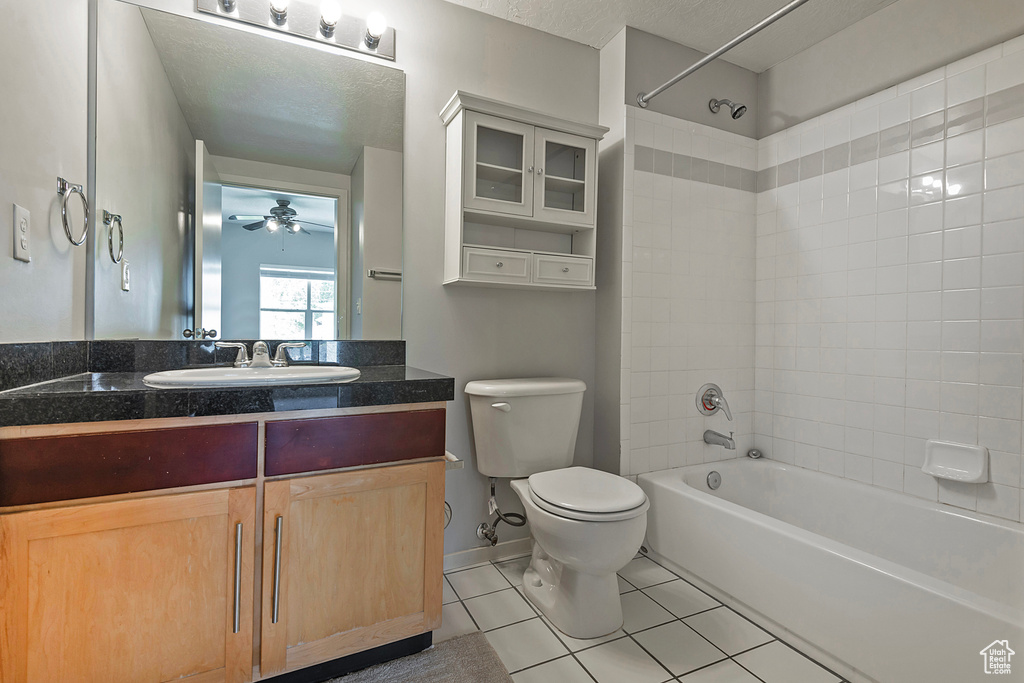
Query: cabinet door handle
x=238 y=575
x=277 y=568
x=540 y=171
x=530 y=170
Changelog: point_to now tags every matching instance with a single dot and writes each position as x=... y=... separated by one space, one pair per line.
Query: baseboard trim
x=354 y=662
x=468 y=558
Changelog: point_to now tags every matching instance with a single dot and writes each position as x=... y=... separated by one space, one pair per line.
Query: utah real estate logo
x=997 y=657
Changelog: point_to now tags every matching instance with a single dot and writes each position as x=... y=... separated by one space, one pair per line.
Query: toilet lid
x=582 y=489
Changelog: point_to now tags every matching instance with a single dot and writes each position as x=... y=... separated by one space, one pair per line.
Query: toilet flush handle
x=503 y=407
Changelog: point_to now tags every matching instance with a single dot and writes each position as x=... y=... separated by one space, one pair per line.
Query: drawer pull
x=277 y=569
x=499 y=264
x=565 y=270
x=238 y=575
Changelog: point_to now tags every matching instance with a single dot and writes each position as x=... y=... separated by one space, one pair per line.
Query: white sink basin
x=250 y=377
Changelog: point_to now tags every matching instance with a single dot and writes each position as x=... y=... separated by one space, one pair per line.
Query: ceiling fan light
x=272 y=224
x=294 y=227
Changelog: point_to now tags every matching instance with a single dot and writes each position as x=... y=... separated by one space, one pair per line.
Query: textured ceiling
x=254 y=97
x=250 y=201
x=704 y=25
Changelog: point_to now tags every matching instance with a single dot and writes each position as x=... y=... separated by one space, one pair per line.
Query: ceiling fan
x=281 y=216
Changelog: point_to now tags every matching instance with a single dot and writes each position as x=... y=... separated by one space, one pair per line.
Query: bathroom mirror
x=246 y=182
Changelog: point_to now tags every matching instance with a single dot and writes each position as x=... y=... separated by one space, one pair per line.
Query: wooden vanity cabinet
x=351 y=560
x=145 y=590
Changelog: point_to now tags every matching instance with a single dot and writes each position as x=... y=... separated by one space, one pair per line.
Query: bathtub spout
x=715 y=439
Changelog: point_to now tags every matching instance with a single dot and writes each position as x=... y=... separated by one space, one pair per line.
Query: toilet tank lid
x=530 y=386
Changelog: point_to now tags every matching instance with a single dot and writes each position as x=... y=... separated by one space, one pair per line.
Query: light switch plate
x=126 y=276
x=22 y=228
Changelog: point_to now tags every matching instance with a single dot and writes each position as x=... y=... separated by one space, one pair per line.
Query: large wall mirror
x=257 y=179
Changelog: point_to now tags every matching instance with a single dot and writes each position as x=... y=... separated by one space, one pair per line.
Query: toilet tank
x=524 y=426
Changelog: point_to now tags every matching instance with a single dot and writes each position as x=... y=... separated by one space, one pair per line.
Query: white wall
x=243 y=253
x=145 y=156
x=43 y=46
x=377 y=243
x=890 y=289
x=898 y=42
x=651 y=61
x=688 y=289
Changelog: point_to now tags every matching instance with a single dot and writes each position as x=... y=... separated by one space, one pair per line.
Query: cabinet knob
x=540 y=171
x=530 y=170
x=499 y=264
x=565 y=270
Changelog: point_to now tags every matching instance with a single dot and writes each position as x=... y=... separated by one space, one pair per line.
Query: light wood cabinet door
x=138 y=591
x=351 y=561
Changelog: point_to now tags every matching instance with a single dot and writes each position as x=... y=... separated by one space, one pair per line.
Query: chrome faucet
x=241 y=358
x=713 y=438
x=260 y=355
x=281 y=353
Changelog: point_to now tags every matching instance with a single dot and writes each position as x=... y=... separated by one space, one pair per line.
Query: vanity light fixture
x=279 y=11
x=330 y=13
x=322 y=21
x=376 y=25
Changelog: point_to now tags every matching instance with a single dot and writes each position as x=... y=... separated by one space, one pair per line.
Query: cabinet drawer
x=327 y=443
x=52 y=468
x=494 y=265
x=563 y=270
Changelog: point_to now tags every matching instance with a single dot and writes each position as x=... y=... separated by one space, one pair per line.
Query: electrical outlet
x=22 y=228
x=126 y=276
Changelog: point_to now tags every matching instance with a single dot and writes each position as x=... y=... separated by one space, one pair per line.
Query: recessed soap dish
x=956 y=461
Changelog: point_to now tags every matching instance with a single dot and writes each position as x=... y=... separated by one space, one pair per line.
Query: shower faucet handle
x=710 y=400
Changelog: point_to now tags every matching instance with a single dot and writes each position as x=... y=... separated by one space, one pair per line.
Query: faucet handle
x=242 y=358
x=281 y=352
x=710 y=400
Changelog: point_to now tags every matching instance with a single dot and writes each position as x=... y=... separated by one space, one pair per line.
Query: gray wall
x=145 y=172
x=355 y=276
x=651 y=61
x=243 y=252
x=609 y=268
x=907 y=38
x=43 y=46
x=379 y=235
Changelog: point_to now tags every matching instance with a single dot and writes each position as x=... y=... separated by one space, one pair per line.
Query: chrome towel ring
x=109 y=219
x=65 y=190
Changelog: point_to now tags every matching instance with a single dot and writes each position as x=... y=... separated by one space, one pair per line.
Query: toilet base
x=580 y=605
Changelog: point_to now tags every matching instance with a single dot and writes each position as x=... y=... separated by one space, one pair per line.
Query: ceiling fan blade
x=254 y=226
x=245 y=218
x=304 y=230
x=321 y=225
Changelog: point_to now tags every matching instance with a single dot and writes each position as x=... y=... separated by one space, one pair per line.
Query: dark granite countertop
x=107 y=396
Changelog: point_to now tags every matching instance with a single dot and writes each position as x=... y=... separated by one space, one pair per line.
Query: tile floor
x=672 y=631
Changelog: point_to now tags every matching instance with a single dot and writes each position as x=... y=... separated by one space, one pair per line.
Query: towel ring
x=65 y=190
x=109 y=219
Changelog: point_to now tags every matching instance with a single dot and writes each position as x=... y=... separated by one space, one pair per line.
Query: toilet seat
x=586 y=494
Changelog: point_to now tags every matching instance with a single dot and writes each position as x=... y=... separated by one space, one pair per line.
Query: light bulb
x=279 y=10
x=330 y=13
x=294 y=227
x=272 y=224
x=227 y=5
x=376 y=24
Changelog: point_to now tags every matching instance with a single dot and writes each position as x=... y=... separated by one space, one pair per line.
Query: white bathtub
x=881 y=585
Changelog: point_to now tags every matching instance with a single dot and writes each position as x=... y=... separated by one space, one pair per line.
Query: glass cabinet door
x=565 y=177
x=498 y=165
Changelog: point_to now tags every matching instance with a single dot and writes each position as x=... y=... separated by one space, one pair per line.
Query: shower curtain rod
x=644 y=98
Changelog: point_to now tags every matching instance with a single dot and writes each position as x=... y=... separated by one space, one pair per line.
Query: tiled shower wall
x=890 y=282
x=688 y=289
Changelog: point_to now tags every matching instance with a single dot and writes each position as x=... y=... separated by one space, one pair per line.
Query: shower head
x=736 y=108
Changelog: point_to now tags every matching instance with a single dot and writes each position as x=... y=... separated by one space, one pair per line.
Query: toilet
x=586 y=524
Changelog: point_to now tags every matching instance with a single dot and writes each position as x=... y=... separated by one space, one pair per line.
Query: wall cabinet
x=151 y=590
x=350 y=561
x=520 y=185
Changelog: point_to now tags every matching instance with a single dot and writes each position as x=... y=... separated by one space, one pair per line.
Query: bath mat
x=466 y=659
